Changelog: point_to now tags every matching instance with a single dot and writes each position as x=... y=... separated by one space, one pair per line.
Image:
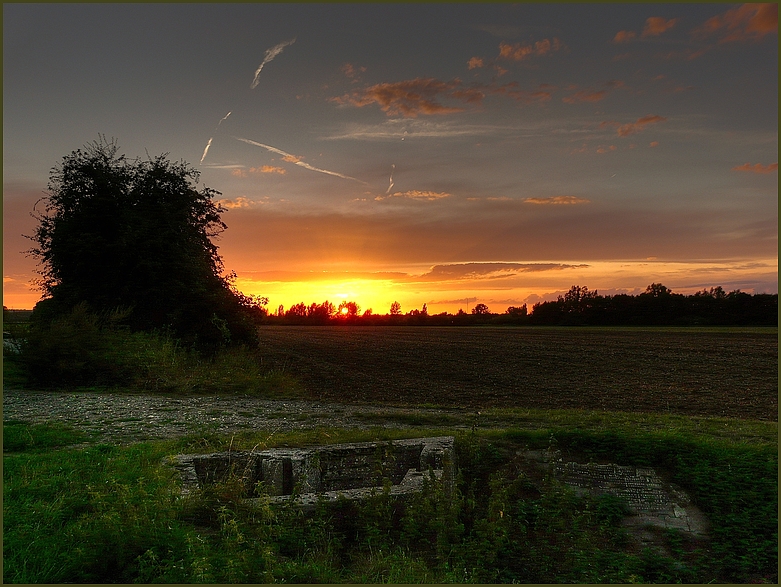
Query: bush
x=83 y=349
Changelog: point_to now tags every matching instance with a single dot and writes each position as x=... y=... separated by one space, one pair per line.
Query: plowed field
x=697 y=371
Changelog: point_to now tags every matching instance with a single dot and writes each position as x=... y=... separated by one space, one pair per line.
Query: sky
x=432 y=154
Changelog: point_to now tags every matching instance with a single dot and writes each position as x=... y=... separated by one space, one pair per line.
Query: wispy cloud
x=352 y=72
x=471 y=271
x=422 y=96
x=237 y=203
x=557 y=200
x=258 y=170
x=416 y=195
x=656 y=25
x=399 y=129
x=475 y=62
x=638 y=125
x=624 y=36
x=519 y=51
x=297 y=160
x=585 y=96
x=408 y=98
x=749 y=22
x=757 y=168
x=270 y=54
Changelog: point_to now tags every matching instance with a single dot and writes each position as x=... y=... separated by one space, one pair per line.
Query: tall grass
x=82 y=349
x=114 y=514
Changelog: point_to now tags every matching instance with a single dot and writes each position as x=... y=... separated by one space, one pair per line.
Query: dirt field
x=707 y=372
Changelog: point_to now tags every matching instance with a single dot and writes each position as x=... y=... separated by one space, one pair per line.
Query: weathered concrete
x=350 y=471
x=652 y=502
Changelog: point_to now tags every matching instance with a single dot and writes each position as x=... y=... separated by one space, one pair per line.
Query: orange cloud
x=240 y=202
x=475 y=62
x=749 y=22
x=408 y=98
x=627 y=129
x=351 y=71
x=585 y=96
x=654 y=144
x=291 y=158
x=518 y=52
x=624 y=36
x=268 y=169
x=557 y=200
x=656 y=25
x=522 y=95
x=757 y=168
x=602 y=150
x=416 y=195
x=264 y=169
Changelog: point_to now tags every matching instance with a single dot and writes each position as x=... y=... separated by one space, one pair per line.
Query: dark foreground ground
x=693 y=371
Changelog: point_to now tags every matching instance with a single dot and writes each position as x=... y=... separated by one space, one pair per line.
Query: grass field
x=699 y=405
x=731 y=372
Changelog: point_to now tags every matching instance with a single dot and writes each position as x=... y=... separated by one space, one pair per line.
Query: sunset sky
x=437 y=154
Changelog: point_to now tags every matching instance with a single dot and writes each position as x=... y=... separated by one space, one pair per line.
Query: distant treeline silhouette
x=657 y=306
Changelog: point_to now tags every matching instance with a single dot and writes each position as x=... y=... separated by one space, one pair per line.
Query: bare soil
x=689 y=371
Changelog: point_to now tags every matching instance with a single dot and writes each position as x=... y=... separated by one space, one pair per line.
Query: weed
x=106 y=513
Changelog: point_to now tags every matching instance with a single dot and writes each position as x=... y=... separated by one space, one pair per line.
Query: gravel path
x=121 y=418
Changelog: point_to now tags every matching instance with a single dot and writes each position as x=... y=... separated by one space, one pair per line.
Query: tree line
x=656 y=306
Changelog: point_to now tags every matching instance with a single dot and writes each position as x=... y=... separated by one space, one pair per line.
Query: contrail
x=301 y=163
x=223 y=119
x=393 y=167
x=270 y=54
x=206 y=150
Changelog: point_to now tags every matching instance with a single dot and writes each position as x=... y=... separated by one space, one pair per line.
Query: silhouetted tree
x=481 y=310
x=517 y=312
x=120 y=233
x=348 y=309
x=395 y=309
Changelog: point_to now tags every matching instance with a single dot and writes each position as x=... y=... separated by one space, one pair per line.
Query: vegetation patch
x=114 y=514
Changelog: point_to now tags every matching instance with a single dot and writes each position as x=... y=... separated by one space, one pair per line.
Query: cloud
x=459 y=271
x=255 y=170
x=557 y=200
x=352 y=72
x=397 y=129
x=475 y=62
x=654 y=144
x=625 y=130
x=270 y=54
x=749 y=22
x=519 y=52
x=656 y=25
x=624 y=36
x=416 y=195
x=408 y=98
x=585 y=96
x=240 y=202
x=527 y=97
x=757 y=168
x=602 y=150
x=297 y=160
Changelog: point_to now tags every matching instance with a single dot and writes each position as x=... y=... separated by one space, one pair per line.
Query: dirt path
x=120 y=418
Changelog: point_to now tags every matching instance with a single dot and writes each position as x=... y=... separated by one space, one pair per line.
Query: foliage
x=120 y=233
x=82 y=349
x=657 y=306
x=112 y=514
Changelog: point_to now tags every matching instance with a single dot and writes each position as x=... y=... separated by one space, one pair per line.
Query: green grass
x=100 y=513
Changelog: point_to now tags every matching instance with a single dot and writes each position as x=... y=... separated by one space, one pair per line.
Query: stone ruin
x=325 y=473
x=355 y=471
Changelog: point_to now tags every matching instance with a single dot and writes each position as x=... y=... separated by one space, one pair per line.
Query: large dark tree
x=137 y=234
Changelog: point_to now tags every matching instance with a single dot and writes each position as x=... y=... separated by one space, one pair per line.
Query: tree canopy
x=137 y=234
